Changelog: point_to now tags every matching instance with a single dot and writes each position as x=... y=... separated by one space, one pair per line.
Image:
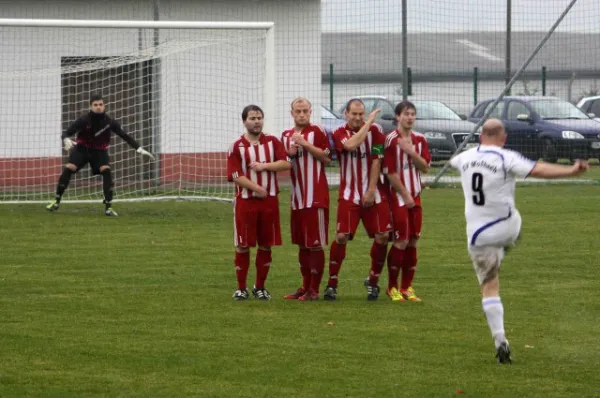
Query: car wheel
x=548 y=151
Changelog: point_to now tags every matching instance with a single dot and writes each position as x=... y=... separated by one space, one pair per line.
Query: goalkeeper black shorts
x=80 y=156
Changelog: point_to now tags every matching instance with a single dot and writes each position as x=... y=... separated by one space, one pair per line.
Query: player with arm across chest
x=362 y=195
x=308 y=146
x=406 y=157
x=253 y=162
x=93 y=130
x=488 y=179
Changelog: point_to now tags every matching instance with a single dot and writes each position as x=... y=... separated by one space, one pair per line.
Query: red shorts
x=256 y=221
x=376 y=219
x=310 y=227
x=407 y=222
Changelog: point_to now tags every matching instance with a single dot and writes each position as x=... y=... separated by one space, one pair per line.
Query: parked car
x=443 y=128
x=330 y=122
x=591 y=106
x=545 y=127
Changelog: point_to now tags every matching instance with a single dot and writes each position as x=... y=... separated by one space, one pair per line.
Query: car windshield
x=557 y=109
x=433 y=110
x=327 y=114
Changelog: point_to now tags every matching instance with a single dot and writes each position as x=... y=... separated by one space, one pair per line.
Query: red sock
x=304 y=260
x=263 y=264
x=336 y=257
x=394 y=260
x=242 y=263
x=378 y=254
x=408 y=267
x=317 y=265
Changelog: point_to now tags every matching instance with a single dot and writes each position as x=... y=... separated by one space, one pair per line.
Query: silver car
x=590 y=106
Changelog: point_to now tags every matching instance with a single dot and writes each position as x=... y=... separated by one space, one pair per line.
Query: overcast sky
x=458 y=15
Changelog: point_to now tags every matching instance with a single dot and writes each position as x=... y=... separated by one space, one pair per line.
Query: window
x=557 y=109
x=587 y=106
x=369 y=103
x=498 y=110
x=515 y=109
x=386 y=109
x=595 y=108
x=434 y=110
x=327 y=114
x=478 y=113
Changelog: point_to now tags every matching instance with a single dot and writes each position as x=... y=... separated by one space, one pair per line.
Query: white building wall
x=203 y=89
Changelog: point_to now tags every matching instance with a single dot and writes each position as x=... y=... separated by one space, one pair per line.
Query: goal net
x=177 y=87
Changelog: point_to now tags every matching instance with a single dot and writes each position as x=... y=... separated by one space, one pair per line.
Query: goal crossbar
x=93 y=23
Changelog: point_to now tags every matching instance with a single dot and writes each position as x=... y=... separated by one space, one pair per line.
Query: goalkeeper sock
x=378 y=254
x=107 y=186
x=242 y=263
x=408 y=267
x=494 y=312
x=304 y=260
x=394 y=260
x=317 y=265
x=337 y=253
x=263 y=264
x=63 y=183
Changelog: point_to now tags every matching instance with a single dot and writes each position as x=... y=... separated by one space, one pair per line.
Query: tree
x=590 y=92
x=526 y=90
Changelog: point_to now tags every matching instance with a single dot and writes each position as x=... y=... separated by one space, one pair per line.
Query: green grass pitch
x=140 y=306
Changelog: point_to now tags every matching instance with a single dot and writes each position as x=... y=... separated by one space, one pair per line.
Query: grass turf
x=141 y=306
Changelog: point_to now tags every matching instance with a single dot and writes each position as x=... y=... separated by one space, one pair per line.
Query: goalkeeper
x=93 y=131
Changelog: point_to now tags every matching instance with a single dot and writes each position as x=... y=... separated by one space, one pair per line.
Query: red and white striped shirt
x=395 y=161
x=268 y=149
x=355 y=166
x=309 y=182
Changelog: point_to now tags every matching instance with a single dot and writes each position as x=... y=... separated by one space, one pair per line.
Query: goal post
x=177 y=87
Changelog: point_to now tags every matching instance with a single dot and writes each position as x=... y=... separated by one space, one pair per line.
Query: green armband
x=377 y=149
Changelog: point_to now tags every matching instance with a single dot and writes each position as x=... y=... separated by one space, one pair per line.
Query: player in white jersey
x=488 y=178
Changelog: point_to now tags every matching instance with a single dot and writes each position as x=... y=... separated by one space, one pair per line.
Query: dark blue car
x=545 y=127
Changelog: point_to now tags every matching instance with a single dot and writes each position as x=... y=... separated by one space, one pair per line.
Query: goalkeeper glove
x=144 y=152
x=68 y=144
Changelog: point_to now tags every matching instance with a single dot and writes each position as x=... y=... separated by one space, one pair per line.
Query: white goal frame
x=269 y=83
